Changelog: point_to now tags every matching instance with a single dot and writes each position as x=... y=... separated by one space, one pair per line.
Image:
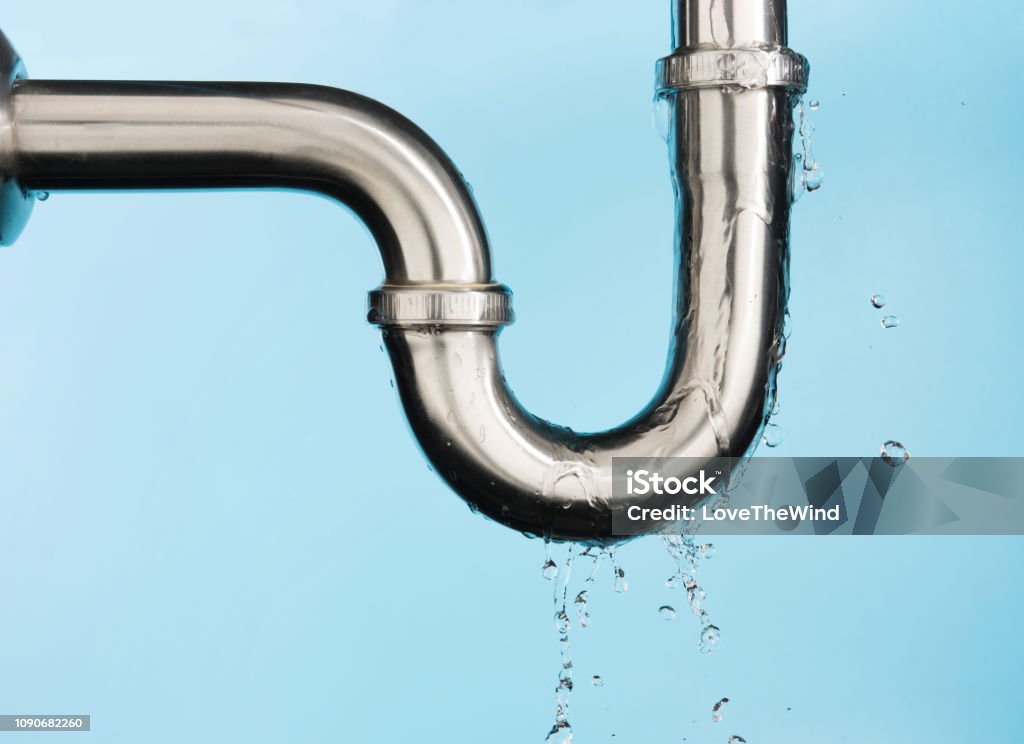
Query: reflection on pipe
x=730 y=85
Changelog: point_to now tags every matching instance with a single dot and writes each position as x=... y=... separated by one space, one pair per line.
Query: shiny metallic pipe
x=729 y=83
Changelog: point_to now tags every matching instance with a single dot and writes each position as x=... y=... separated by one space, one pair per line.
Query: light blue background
x=212 y=509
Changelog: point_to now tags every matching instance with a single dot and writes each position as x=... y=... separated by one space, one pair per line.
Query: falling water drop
x=814 y=105
x=878 y=301
x=890 y=321
x=597 y=680
x=581 y=608
x=718 y=709
x=814 y=178
x=549 y=570
x=894 y=453
x=667 y=612
x=561 y=729
x=737 y=740
x=695 y=595
x=42 y=195
x=621 y=585
x=773 y=435
x=709 y=638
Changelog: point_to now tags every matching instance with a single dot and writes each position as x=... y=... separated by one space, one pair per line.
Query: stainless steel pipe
x=730 y=85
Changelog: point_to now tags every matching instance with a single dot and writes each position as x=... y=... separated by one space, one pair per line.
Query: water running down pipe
x=730 y=86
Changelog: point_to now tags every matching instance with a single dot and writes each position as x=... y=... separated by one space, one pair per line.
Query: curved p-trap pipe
x=729 y=84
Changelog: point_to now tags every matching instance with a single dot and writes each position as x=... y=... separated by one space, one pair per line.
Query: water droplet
x=878 y=301
x=562 y=623
x=667 y=612
x=663 y=116
x=621 y=585
x=482 y=434
x=707 y=550
x=737 y=740
x=695 y=595
x=457 y=360
x=709 y=638
x=718 y=710
x=549 y=570
x=561 y=733
x=814 y=178
x=581 y=608
x=807 y=174
x=890 y=321
x=42 y=195
x=844 y=94
x=773 y=435
x=597 y=681
x=894 y=453
x=814 y=105
x=673 y=581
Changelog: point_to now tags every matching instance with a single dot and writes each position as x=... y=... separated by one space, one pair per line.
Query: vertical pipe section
x=725 y=24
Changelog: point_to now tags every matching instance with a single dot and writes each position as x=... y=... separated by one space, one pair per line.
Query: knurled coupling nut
x=474 y=306
x=746 y=69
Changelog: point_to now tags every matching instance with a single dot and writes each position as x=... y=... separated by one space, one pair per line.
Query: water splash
x=718 y=710
x=894 y=453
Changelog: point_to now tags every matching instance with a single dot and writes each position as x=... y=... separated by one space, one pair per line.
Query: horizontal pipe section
x=153 y=135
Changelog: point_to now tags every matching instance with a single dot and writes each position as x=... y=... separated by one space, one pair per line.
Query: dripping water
x=561 y=729
x=688 y=554
x=807 y=173
x=561 y=573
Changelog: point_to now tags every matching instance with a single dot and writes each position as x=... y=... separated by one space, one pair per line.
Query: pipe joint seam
x=466 y=306
x=747 y=69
